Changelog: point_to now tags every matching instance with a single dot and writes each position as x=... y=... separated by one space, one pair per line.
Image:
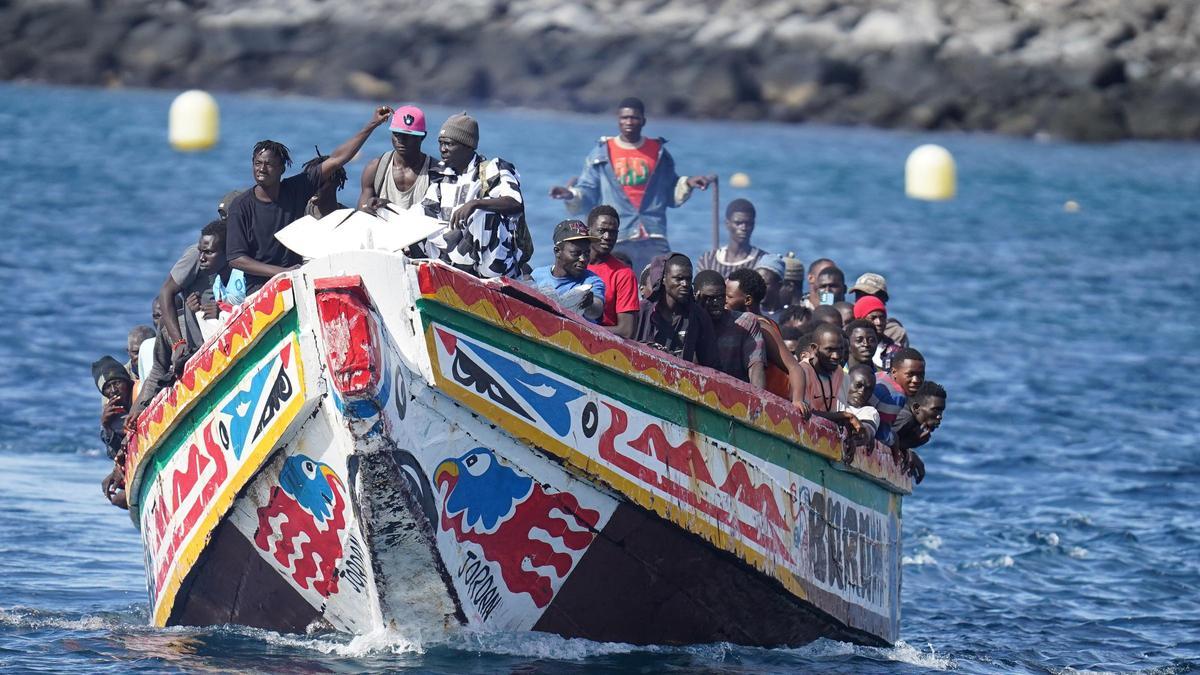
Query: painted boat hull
x=411 y=447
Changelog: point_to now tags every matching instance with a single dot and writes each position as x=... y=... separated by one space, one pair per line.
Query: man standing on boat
x=256 y=215
x=636 y=175
x=480 y=201
x=400 y=177
x=739 y=252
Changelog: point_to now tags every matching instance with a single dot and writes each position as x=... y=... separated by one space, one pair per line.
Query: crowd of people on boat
x=737 y=308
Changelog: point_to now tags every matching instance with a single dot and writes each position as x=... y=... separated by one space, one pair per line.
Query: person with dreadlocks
x=324 y=202
x=256 y=215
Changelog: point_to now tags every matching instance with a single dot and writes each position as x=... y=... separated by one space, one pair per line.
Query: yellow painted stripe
x=219 y=506
x=591 y=468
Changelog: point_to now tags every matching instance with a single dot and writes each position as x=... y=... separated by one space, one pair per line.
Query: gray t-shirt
x=186 y=272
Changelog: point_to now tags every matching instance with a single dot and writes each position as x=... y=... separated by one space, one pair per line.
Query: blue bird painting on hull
x=309 y=482
x=479 y=485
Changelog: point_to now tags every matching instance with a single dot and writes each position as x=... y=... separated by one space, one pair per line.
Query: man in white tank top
x=400 y=177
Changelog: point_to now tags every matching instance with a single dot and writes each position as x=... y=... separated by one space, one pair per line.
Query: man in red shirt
x=635 y=175
x=621 y=301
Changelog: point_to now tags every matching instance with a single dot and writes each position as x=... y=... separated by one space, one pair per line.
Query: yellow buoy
x=929 y=174
x=194 y=121
x=739 y=180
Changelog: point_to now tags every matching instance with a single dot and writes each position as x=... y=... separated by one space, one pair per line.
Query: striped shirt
x=889 y=399
x=718 y=260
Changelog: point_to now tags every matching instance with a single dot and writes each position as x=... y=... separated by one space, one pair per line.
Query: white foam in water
x=32 y=619
x=921 y=558
x=1000 y=561
x=930 y=541
x=1077 y=552
x=906 y=653
x=1047 y=538
x=379 y=641
x=537 y=645
x=902 y=652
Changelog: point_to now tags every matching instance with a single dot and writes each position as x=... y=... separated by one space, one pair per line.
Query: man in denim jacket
x=635 y=175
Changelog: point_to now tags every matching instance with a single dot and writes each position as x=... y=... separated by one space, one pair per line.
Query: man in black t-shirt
x=256 y=215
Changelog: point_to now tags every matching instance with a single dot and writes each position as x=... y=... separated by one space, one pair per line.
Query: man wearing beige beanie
x=480 y=200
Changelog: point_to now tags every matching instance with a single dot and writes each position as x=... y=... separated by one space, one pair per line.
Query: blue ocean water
x=1057 y=529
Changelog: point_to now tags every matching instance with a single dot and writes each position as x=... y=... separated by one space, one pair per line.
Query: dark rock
x=1085 y=69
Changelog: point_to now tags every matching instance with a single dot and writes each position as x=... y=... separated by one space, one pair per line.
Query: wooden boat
x=377 y=442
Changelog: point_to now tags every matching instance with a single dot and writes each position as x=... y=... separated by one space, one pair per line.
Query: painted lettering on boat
x=533 y=536
x=846 y=544
x=302 y=524
x=354 y=570
x=755 y=508
x=477 y=577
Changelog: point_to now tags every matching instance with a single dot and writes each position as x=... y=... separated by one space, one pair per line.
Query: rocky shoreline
x=1092 y=70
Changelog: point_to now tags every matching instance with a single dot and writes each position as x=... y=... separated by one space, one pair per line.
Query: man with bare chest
x=398 y=178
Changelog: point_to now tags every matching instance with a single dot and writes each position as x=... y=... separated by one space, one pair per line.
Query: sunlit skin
x=736 y=299
x=928 y=411
x=878 y=318
x=407 y=146
x=831 y=282
x=456 y=155
x=571 y=258
x=828 y=349
x=677 y=285
x=605 y=229
x=406 y=167
x=863 y=342
x=268 y=171
x=212 y=253
x=740 y=226
x=909 y=374
x=861 y=386
x=813 y=272
x=629 y=124
x=712 y=298
x=117 y=393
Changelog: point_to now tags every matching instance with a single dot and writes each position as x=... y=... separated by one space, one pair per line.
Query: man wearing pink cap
x=399 y=177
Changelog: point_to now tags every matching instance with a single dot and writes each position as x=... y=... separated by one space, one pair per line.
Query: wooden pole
x=716 y=211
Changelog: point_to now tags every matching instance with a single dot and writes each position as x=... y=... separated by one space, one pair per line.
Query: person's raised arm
x=346 y=151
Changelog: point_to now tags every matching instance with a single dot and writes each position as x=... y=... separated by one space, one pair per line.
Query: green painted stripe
x=668 y=406
x=229 y=378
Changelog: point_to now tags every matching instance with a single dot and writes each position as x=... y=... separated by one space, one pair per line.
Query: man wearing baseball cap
x=875 y=285
x=400 y=177
x=568 y=280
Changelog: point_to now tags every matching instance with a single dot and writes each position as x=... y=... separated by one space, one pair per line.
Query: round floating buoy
x=739 y=180
x=194 y=121
x=929 y=174
x=1071 y=206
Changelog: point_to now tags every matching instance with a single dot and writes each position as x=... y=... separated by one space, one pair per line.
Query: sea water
x=1057 y=528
